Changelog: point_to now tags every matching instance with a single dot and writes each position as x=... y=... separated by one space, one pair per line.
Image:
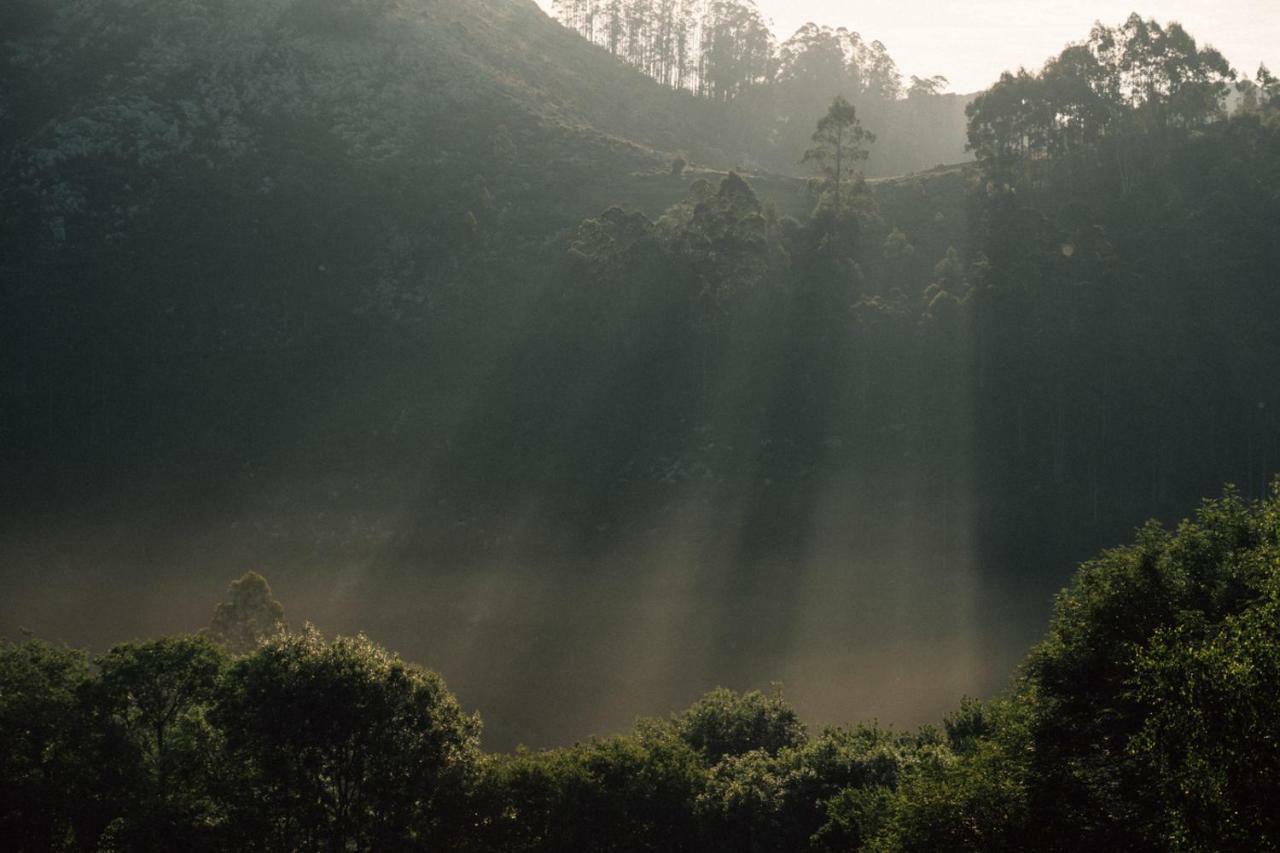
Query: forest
x=618 y=368
x=725 y=51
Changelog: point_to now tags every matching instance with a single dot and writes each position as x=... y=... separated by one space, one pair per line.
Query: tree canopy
x=1143 y=721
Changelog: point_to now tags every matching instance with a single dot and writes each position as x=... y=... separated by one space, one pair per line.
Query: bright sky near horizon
x=972 y=41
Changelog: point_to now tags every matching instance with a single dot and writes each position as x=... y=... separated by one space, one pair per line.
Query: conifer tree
x=840 y=144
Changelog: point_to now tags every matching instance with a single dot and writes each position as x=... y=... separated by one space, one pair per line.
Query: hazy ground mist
x=860 y=611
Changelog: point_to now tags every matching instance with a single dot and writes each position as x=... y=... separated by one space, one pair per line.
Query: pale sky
x=972 y=41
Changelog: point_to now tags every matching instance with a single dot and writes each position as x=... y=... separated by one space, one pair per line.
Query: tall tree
x=840 y=143
x=736 y=49
x=1138 y=79
x=248 y=616
x=924 y=87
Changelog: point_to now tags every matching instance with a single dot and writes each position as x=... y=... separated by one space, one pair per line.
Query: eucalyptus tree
x=1137 y=80
x=717 y=48
x=924 y=87
x=840 y=144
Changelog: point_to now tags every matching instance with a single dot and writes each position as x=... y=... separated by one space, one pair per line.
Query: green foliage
x=1092 y=686
x=724 y=723
x=743 y=806
x=149 y=703
x=820 y=794
x=1214 y=694
x=854 y=817
x=41 y=723
x=629 y=793
x=340 y=743
x=1210 y=741
x=1208 y=678
x=967 y=792
x=1139 y=77
x=305 y=744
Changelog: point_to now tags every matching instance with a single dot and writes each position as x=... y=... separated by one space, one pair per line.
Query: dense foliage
x=304 y=744
x=318 y=140
x=1122 y=357
x=1144 y=721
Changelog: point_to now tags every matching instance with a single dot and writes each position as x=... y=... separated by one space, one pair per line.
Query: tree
x=727 y=723
x=821 y=58
x=1248 y=94
x=1211 y=741
x=1149 y=700
x=150 y=701
x=625 y=794
x=925 y=87
x=839 y=144
x=151 y=686
x=39 y=720
x=341 y=743
x=975 y=802
x=1127 y=86
x=248 y=616
x=1268 y=88
x=736 y=50
x=718 y=48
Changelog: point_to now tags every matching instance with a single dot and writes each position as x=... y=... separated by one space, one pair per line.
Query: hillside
x=511 y=364
x=270 y=265
x=449 y=94
x=440 y=144
x=405 y=305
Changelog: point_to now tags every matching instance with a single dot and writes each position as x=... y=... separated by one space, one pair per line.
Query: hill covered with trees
x=725 y=53
x=413 y=303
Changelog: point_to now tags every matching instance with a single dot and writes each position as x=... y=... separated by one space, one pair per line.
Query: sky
x=972 y=41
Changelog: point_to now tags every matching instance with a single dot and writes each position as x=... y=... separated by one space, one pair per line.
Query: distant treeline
x=1145 y=721
x=724 y=51
x=722 y=48
x=1139 y=78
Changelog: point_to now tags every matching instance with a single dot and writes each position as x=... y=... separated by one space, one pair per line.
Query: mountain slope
x=271 y=268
